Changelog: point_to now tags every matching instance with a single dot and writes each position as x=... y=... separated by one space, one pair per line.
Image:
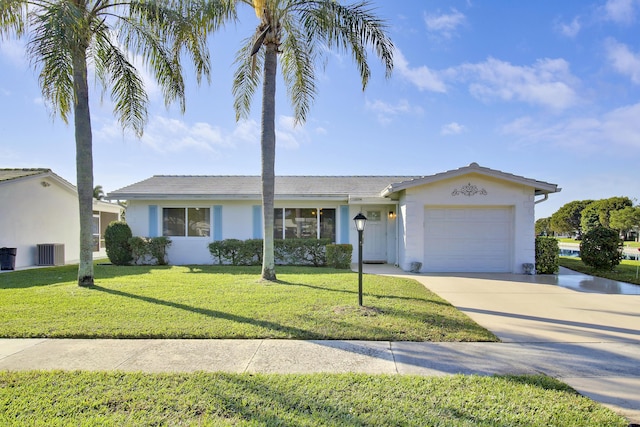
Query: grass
x=57 y=398
x=624 y=272
x=569 y=240
x=225 y=302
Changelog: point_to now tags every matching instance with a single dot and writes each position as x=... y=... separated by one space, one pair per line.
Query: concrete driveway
x=581 y=329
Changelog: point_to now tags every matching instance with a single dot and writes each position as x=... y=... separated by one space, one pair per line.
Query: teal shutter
x=153 y=221
x=257 y=222
x=344 y=224
x=217 y=222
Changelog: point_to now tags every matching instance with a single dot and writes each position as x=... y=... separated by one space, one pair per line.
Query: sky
x=545 y=89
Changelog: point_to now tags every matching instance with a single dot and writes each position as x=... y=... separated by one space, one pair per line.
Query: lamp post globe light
x=360 y=221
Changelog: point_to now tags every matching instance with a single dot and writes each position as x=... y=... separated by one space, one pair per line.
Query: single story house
x=39 y=217
x=471 y=219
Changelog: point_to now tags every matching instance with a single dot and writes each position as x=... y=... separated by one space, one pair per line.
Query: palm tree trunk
x=268 y=148
x=84 y=166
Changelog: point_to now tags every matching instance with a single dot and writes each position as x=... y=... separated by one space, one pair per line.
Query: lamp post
x=360 y=221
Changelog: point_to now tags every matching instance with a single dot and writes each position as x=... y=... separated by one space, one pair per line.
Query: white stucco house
x=471 y=219
x=39 y=217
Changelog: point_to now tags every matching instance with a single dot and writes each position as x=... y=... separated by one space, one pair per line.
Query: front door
x=374 y=246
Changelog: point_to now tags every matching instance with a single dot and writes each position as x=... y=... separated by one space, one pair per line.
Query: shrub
x=287 y=252
x=547 y=256
x=601 y=248
x=116 y=240
x=149 y=250
x=339 y=256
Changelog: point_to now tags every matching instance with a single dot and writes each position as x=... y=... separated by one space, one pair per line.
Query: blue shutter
x=257 y=222
x=153 y=221
x=344 y=224
x=217 y=222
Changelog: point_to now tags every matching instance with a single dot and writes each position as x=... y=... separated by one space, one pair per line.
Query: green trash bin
x=8 y=258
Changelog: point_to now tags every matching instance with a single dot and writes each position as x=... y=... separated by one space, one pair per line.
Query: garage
x=464 y=239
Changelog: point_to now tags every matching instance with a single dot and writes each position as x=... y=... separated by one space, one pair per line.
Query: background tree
x=543 y=227
x=98 y=192
x=64 y=36
x=567 y=218
x=625 y=220
x=299 y=32
x=597 y=213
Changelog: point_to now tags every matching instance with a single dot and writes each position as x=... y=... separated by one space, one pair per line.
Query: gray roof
x=540 y=187
x=301 y=187
x=9 y=174
x=249 y=187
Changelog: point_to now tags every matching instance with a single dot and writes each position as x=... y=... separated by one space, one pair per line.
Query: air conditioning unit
x=51 y=254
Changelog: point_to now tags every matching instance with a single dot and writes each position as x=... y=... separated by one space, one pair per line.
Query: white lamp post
x=360 y=221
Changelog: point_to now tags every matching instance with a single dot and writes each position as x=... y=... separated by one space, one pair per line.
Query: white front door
x=374 y=246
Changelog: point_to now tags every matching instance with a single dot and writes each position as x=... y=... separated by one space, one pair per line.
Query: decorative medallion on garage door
x=469 y=190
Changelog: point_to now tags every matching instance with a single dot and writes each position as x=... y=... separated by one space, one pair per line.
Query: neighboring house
x=471 y=219
x=37 y=207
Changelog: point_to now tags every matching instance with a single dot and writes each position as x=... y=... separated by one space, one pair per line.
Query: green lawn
x=625 y=272
x=226 y=302
x=220 y=399
x=568 y=240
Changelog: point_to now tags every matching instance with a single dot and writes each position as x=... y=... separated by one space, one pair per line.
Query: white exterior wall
x=237 y=223
x=439 y=194
x=32 y=213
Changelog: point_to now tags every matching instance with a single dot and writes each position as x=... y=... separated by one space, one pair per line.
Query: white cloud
x=290 y=135
x=571 y=29
x=14 y=52
x=386 y=112
x=548 y=82
x=617 y=128
x=620 y=11
x=624 y=60
x=444 y=24
x=422 y=77
x=452 y=128
x=167 y=135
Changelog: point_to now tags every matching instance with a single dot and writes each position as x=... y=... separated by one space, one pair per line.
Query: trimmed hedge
x=149 y=250
x=339 y=255
x=547 y=255
x=116 y=240
x=287 y=252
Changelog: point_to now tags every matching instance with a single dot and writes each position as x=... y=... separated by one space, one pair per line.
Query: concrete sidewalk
x=590 y=341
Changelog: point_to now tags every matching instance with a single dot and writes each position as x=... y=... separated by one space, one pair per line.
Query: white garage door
x=468 y=240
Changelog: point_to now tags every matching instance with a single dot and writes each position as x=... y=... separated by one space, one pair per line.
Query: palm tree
x=298 y=31
x=98 y=192
x=65 y=36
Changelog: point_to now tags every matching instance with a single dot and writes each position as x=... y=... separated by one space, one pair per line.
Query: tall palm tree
x=66 y=36
x=298 y=31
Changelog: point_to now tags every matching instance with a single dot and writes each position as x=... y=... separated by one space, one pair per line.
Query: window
x=95 y=230
x=304 y=223
x=192 y=222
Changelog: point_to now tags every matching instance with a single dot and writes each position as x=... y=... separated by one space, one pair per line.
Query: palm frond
x=12 y=17
x=348 y=28
x=127 y=88
x=298 y=70
x=246 y=78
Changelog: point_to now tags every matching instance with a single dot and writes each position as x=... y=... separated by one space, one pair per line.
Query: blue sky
x=546 y=89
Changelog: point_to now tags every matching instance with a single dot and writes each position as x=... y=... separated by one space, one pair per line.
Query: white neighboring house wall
x=38 y=209
x=499 y=193
x=42 y=208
